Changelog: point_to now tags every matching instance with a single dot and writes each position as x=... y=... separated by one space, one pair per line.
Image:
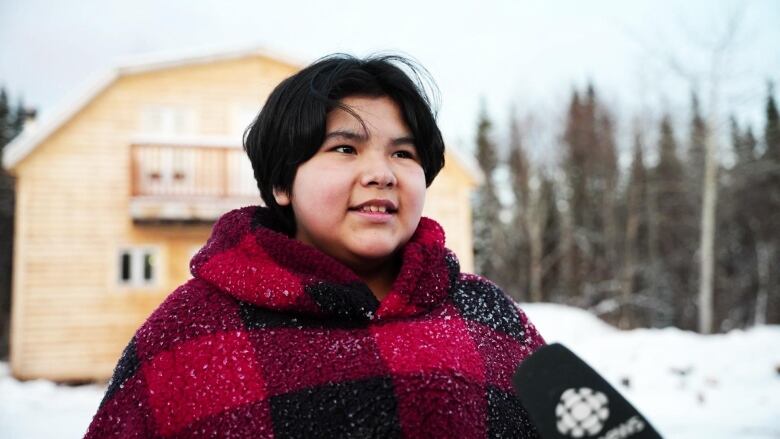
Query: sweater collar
x=249 y=259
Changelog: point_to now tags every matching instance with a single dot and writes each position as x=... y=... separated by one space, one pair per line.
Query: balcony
x=188 y=181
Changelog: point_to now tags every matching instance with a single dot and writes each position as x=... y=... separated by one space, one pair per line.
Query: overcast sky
x=524 y=53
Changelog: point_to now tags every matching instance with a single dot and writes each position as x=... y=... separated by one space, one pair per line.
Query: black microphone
x=565 y=398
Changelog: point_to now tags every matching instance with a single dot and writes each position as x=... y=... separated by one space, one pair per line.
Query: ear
x=281 y=197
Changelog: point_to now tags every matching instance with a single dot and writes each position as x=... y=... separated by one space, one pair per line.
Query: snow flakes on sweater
x=273 y=338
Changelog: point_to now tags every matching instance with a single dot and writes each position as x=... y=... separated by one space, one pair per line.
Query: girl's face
x=360 y=197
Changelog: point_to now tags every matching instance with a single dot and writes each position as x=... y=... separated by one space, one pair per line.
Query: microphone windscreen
x=566 y=398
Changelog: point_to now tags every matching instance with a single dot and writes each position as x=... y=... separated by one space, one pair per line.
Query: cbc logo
x=581 y=411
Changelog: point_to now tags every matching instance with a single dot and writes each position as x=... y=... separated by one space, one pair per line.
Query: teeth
x=380 y=209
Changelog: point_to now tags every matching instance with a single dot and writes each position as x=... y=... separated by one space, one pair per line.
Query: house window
x=167 y=120
x=138 y=266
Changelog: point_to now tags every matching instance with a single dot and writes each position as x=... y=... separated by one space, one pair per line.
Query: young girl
x=335 y=311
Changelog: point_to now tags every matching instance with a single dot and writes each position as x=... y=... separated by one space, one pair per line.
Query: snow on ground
x=687 y=385
x=42 y=409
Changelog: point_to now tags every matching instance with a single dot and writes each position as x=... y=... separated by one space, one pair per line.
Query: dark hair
x=291 y=125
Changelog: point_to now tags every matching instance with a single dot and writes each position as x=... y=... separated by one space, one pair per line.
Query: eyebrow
x=344 y=134
x=351 y=135
x=404 y=140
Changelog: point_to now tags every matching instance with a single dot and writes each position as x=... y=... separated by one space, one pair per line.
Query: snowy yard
x=689 y=386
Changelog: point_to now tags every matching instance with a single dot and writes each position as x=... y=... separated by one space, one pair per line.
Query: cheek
x=318 y=194
x=328 y=192
x=415 y=190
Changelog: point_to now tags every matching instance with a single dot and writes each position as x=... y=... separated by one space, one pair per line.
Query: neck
x=379 y=279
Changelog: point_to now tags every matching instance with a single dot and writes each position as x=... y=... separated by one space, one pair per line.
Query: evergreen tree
x=10 y=125
x=675 y=242
x=519 y=256
x=769 y=240
x=553 y=248
x=519 y=166
x=744 y=144
x=608 y=172
x=737 y=286
x=591 y=170
x=574 y=198
x=5 y=119
x=487 y=207
x=18 y=118
x=772 y=128
x=636 y=253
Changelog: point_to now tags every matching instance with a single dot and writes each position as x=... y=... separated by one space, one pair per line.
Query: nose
x=376 y=171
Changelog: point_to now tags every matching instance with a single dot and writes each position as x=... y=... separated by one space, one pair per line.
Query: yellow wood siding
x=448 y=202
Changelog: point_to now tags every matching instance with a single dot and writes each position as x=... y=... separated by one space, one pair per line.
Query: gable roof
x=33 y=135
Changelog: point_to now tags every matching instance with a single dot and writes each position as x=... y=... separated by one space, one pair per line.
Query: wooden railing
x=190 y=171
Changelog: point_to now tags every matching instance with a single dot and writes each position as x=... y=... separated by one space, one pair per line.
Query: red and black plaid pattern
x=272 y=338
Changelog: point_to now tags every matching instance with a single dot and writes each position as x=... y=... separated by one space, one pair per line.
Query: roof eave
x=467 y=162
x=26 y=142
x=162 y=60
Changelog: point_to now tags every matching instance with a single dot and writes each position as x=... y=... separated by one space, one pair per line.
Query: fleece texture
x=273 y=338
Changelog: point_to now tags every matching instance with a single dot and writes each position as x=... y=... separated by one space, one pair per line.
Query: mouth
x=375 y=206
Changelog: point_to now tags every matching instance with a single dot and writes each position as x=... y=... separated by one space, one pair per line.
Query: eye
x=403 y=154
x=344 y=149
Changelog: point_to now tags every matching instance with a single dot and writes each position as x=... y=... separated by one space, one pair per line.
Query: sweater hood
x=248 y=258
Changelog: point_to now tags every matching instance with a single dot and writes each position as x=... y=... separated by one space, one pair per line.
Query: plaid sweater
x=273 y=338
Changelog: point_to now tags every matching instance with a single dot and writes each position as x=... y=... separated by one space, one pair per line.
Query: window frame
x=138 y=254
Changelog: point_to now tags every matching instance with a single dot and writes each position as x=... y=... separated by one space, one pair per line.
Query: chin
x=376 y=251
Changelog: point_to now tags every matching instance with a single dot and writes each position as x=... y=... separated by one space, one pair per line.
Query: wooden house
x=119 y=189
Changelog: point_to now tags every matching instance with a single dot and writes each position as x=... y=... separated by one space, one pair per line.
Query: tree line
x=624 y=242
x=12 y=119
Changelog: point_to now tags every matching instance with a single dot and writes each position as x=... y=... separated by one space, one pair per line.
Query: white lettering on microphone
x=632 y=426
